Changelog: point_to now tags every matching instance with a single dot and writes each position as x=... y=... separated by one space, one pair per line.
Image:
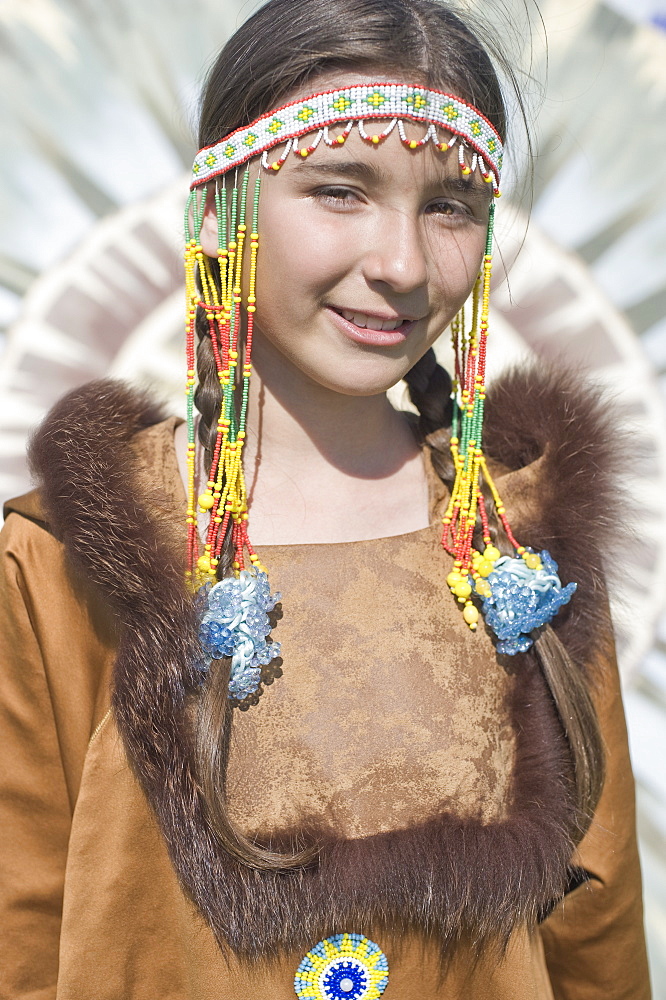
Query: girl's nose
x=396 y=254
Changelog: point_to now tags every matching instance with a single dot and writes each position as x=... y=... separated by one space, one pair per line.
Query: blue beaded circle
x=342 y=967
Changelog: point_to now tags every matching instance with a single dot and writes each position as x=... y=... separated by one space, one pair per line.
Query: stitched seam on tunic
x=98 y=728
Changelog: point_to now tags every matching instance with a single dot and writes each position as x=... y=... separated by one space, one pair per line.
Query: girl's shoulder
x=28 y=505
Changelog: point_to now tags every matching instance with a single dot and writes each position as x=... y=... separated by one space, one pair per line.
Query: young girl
x=406 y=773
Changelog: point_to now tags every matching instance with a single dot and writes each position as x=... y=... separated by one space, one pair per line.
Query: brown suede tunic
x=90 y=905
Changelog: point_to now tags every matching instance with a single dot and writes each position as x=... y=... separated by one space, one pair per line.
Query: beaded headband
x=516 y=594
x=353 y=106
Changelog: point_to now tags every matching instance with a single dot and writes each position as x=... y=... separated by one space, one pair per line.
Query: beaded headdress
x=516 y=593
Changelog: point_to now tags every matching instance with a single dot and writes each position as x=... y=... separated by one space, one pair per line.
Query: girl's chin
x=338 y=364
x=361 y=376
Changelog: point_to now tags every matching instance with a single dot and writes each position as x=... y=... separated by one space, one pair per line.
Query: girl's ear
x=209 y=236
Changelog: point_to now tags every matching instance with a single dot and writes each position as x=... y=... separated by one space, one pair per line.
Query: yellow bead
x=453 y=578
x=203 y=562
x=205 y=501
x=470 y=614
x=413 y=144
x=375 y=139
x=484 y=568
x=483 y=588
x=491 y=553
x=532 y=560
x=462 y=589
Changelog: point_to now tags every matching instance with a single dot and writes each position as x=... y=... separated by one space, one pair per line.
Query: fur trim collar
x=448 y=878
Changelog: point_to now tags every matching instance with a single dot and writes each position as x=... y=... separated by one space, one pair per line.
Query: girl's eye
x=449 y=209
x=337 y=197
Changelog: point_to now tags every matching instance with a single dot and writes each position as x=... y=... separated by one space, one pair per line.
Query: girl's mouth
x=367 y=329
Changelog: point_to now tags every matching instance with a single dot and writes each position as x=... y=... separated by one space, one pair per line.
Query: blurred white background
x=98 y=101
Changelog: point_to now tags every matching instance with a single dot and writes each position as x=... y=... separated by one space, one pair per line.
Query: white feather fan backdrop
x=90 y=251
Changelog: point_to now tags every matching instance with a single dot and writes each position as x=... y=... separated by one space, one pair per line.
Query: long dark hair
x=278 y=50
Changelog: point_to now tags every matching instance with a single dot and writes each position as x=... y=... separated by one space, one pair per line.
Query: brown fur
x=448 y=877
x=557 y=415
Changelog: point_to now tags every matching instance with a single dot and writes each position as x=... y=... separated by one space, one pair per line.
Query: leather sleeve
x=594 y=940
x=52 y=650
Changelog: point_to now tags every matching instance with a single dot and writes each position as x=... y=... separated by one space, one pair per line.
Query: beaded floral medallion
x=342 y=967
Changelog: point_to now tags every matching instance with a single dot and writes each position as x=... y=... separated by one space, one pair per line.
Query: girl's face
x=366 y=254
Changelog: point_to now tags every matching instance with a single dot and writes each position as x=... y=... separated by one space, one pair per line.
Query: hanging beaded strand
x=194 y=213
x=225 y=493
x=520 y=593
x=471 y=566
x=234 y=611
x=234 y=497
x=225 y=497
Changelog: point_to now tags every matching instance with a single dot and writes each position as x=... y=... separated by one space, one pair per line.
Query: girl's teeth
x=371 y=322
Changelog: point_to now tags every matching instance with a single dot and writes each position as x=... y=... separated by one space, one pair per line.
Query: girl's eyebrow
x=366 y=172
x=357 y=169
x=464 y=185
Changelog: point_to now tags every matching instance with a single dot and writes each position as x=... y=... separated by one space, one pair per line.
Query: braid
x=208 y=399
x=430 y=391
x=208 y=395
